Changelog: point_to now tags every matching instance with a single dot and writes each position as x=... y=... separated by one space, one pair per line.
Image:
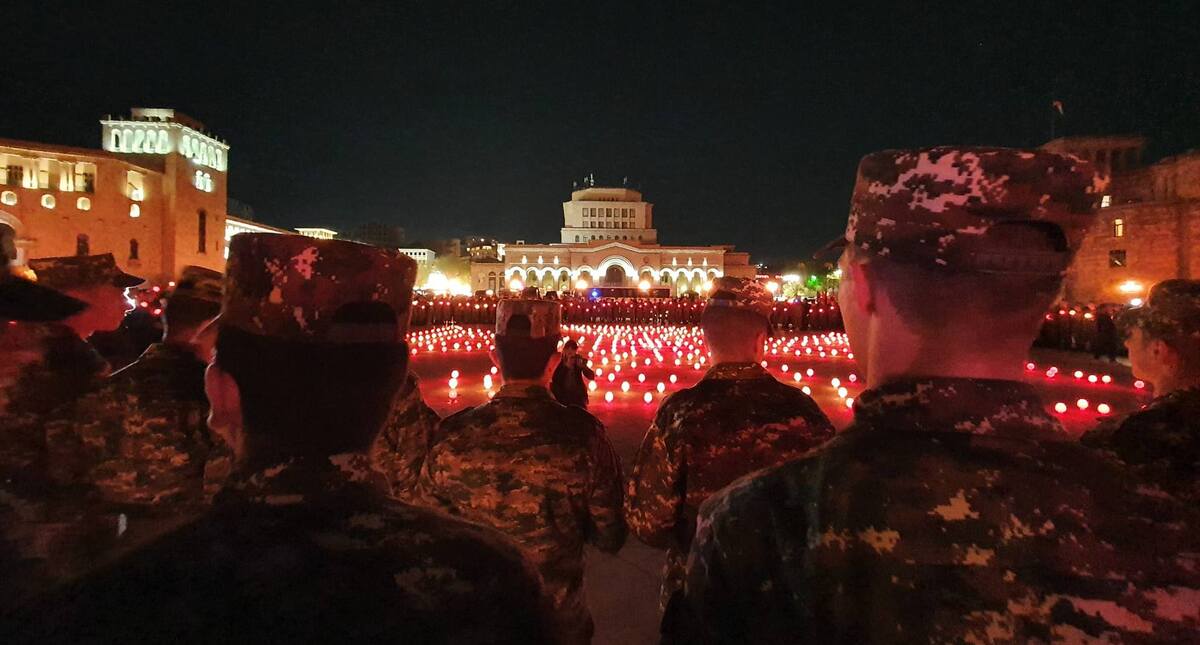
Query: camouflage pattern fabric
x=736 y=420
x=1160 y=443
x=951 y=510
x=1172 y=310
x=43 y=366
x=291 y=287
x=400 y=449
x=544 y=474
x=545 y=316
x=75 y=271
x=742 y=293
x=141 y=439
x=934 y=206
x=305 y=552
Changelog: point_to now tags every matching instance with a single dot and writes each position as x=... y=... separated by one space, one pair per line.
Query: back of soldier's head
x=195 y=300
x=313 y=331
x=527 y=333
x=736 y=316
x=969 y=241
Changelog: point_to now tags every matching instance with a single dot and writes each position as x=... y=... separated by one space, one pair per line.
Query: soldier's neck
x=946 y=359
x=524 y=382
x=1173 y=383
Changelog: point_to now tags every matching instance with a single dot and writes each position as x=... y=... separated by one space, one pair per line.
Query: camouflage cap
x=742 y=294
x=545 y=317
x=82 y=271
x=936 y=206
x=292 y=287
x=27 y=301
x=198 y=283
x=1171 y=309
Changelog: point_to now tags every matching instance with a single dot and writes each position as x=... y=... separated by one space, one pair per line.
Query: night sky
x=742 y=125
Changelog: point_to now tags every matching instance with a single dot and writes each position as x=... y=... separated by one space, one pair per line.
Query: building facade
x=424 y=257
x=1149 y=224
x=317 y=233
x=609 y=240
x=154 y=195
x=596 y=213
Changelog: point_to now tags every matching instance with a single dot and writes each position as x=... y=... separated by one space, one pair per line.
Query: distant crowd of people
x=269 y=472
x=819 y=313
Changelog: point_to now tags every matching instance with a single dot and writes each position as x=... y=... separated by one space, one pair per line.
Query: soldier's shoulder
x=786 y=485
x=464 y=417
x=438 y=538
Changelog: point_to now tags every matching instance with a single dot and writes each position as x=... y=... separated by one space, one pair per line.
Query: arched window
x=8 y=198
x=135 y=211
x=202 y=231
x=83 y=204
x=48 y=201
x=82 y=246
x=133 y=249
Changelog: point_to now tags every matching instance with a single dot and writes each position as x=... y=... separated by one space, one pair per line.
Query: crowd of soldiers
x=1084 y=328
x=269 y=471
x=819 y=313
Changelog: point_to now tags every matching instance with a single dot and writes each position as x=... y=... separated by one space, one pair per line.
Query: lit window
x=135 y=211
x=203 y=181
x=1118 y=227
x=48 y=201
x=9 y=198
x=83 y=204
x=1106 y=201
x=85 y=177
x=43 y=172
x=136 y=185
x=1116 y=259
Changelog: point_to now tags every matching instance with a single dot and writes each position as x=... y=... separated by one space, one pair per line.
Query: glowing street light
x=1130 y=286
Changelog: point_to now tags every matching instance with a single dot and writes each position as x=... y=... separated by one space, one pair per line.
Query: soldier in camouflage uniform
x=736 y=420
x=24 y=309
x=955 y=508
x=45 y=365
x=541 y=472
x=407 y=435
x=140 y=441
x=302 y=543
x=1161 y=442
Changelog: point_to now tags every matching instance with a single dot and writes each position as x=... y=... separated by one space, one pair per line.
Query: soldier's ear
x=864 y=287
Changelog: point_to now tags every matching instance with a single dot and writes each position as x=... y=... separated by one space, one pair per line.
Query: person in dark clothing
x=1107 y=340
x=567 y=383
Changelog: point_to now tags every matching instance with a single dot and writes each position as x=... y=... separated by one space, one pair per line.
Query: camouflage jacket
x=404 y=441
x=543 y=473
x=1160 y=442
x=951 y=510
x=305 y=552
x=43 y=366
x=141 y=438
x=736 y=420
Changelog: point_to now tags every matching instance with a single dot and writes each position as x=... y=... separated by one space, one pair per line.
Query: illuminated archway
x=619 y=261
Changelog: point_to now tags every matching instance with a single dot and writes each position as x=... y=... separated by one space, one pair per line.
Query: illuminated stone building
x=154 y=195
x=1149 y=224
x=609 y=240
